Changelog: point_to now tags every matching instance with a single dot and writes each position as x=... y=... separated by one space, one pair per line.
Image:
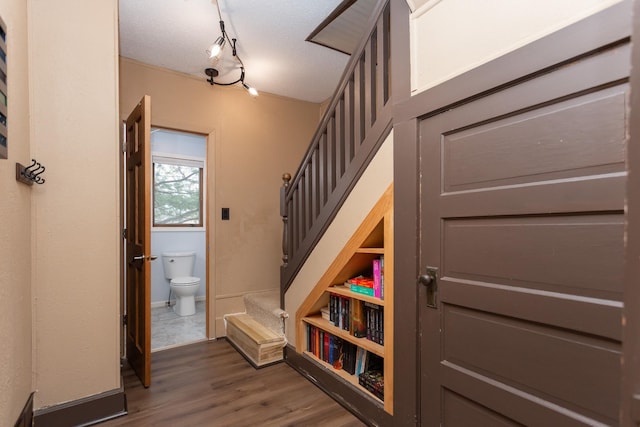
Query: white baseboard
x=157 y=304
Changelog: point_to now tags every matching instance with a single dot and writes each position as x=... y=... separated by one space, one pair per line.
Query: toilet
x=178 y=268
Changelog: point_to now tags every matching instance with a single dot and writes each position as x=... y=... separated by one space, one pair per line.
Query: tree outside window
x=177 y=195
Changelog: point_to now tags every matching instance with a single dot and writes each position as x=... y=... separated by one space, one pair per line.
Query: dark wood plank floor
x=210 y=384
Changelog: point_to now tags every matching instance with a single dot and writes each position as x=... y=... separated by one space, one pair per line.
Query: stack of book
x=349 y=352
x=361 y=285
x=371 y=286
x=362 y=319
x=373 y=376
x=374 y=382
x=339 y=311
x=325 y=346
x=347 y=314
x=325 y=312
x=374 y=322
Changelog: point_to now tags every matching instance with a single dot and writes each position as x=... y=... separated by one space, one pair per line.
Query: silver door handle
x=143 y=257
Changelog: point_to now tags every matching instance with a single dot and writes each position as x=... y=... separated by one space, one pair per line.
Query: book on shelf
x=365 y=282
x=382 y=277
x=373 y=381
x=324 y=345
x=339 y=311
x=362 y=319
x=361 y=360
x=355 y=360
x=362 y=290
x=349 y=353
x=357 y=326
x=376 y=278
x=370 y=286
x=372 y=378
x=360 y=284
x=324 y=311
x=374 y=322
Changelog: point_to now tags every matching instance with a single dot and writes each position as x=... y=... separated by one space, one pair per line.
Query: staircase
x=258 y=334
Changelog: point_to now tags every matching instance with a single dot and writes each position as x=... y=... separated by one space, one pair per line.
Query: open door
x=138 y=240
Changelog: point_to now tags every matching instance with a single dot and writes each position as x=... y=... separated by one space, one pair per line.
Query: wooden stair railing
x=352 y=129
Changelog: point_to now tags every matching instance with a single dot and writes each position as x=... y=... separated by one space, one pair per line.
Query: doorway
x=178 y=226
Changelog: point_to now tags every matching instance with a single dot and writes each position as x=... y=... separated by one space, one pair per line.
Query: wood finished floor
x=210 y=384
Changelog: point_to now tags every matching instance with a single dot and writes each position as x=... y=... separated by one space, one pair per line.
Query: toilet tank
x=178 y=264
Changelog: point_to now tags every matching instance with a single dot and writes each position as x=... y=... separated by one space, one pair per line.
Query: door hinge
x=124 y=319
x=124 y=233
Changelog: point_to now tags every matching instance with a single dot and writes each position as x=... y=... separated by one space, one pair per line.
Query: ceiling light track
x=215 y=50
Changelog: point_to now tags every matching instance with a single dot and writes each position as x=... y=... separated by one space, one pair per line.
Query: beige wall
x=75 y=245
x=59 y=241
x=251 y=143
x=15 y=230
x=449 y=37
x=373 y=183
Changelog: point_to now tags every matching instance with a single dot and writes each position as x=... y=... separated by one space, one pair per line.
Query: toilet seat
x=185 y=281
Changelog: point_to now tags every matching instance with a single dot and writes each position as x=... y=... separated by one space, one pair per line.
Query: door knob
x=425 y=279
x=430 y=281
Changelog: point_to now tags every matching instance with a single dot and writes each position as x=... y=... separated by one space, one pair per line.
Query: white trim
x=429 y=4
x=178 y=159
x=182 y=160
x=163 y=303
x=177 y=229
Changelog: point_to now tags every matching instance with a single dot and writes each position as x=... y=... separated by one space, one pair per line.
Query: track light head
x=252 y=90
x=215 y=49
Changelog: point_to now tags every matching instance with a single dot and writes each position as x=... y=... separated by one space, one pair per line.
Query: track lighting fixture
x=215 y=50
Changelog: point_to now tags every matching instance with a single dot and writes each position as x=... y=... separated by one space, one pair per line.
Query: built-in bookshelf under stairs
x=258 y=334
x=345 y=325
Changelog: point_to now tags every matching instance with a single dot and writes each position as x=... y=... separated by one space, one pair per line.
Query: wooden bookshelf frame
x=373 y=237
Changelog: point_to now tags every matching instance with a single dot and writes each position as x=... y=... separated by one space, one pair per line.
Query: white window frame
x=180 y=160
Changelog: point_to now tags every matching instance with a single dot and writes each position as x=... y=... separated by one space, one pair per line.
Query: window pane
x=176 y=195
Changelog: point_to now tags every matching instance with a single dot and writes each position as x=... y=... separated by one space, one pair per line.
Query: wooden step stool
x=257 y=343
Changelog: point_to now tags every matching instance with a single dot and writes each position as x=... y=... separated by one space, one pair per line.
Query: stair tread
x=257 y=332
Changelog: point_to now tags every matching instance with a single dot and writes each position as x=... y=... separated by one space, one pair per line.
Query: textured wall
x=15 y=230
x=74 y=132
x=449 y=37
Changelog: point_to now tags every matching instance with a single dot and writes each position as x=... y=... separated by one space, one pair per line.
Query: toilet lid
x=187 y=280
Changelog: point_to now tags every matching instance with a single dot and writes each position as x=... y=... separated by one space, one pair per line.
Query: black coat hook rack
x=30 y=174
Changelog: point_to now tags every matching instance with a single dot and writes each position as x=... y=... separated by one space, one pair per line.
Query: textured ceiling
x=271 y=35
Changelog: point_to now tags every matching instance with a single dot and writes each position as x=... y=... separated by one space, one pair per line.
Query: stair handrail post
x=286 y=180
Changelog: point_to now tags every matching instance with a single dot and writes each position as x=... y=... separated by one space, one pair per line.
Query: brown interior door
x=138 y=240
x=522 y=218
x=630 y=407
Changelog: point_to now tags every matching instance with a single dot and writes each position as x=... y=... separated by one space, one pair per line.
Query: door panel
x=457 y=411
x=630 y=405
x=138 y=240
x=522 y=213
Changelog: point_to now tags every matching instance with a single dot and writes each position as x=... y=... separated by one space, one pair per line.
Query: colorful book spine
x=382 y=277
x=376 y=279
x=357 y=327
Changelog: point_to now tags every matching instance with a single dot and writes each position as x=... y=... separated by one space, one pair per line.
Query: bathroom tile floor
x=170 y=330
